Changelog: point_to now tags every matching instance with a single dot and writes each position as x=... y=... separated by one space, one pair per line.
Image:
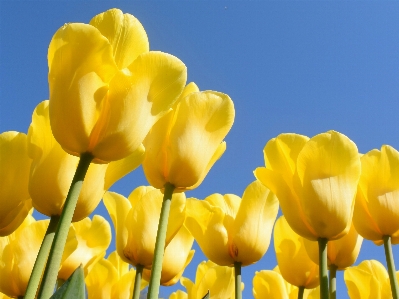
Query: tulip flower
x=369 y=279
x=315 y=181
x=294 y=264
x=218 y=280
x=178 y=295
x=111 y=278
x=377 y=203
x=136 y=221
x=15 y=164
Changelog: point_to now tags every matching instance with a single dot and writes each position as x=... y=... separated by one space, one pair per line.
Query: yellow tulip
x=91 y=239
x=178 y=295
x=177 y=256
x=106 y=89
x=341 y=253
x=377 y=202
x=53 y=169
x=183 y=145
x=15 y=164
x=315 y=181
x=368 y=280
x=136 y=222
x=295 y=265
x=230 y=229
x=111 y=278
x=218 y=280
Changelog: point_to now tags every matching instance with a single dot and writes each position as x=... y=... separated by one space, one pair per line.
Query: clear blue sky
x=302 y=67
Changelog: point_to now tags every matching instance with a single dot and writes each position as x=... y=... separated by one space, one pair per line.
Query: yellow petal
x=269 y=284
x=100 y=280
x=178 y=295
x=367 y=280
x=121 y=267
x=125 y=33
x=118 y=208
x=328 y=171
x=15 y=164
x=124 y=287
x=295 y=265
x=81 y=64
x=136 y=100
x=118 y=169
x=253 y=224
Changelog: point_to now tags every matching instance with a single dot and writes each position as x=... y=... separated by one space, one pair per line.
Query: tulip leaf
x=73 y=288
x=207 y=295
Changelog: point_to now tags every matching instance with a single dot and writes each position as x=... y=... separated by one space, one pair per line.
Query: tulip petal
x=100 y=280
x=253 y=224
x=121 y=267
x=125 y=33
x=269 y=284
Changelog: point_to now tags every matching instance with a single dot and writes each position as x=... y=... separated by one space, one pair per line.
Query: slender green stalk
x=323 y=273
x=391 y=267
x=41 y=259
x=237 y=275
x=137 y=282
x=155 y=280
x=301 y=290
x=333 y=281
x=57 y=248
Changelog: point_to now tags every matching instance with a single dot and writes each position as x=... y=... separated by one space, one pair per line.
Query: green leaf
x=207 y=295
x=73 y=288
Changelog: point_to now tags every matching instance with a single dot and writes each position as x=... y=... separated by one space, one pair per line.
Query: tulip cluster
x=115 y=105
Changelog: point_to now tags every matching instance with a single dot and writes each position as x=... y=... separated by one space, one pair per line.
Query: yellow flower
x=15 y=164
x=53 y=169
x=315 y=181
x=368 y=280
x=111 y=278
x=341 y=253
x=230 y=229
x=178 y=295
x=218 y=280
x=377 y=202
x=177 y=256
x=90 y=240
x=18 y=253
x=106 y=89
x=183 y=145
x=295 y=265
x=136 y=222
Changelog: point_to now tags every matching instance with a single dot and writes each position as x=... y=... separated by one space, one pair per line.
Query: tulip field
x=196 y=150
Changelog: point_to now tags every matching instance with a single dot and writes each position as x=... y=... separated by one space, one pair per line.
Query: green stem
x=41 y=259
x=155 y=280
x=301 y=291
x=57 y=248
x=333 y=282
x=237 y=275
x=323 y=275
x=391 y=267
x=137 y=282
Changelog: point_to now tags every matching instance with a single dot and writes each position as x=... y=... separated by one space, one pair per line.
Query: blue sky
x=303 y=67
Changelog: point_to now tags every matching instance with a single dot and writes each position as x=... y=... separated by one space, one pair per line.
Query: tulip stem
x=155 y=280
x=57 y=248
x=323 y=273
x=333 y=282
x=41 y=259
x=137 y=282
x=301 y=290
x=237 y=274
x=391 y=267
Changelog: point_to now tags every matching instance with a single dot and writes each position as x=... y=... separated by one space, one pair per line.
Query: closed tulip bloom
x=218 y=280
x=177 y=256
x=106 y=88
x=368 y=280
x=230 y=229
x=377 y=202
x=53 y=169
x=341 y=253
x=315 y=181
x=183 y=145
x=295 y=265
x=136 y=222
x=15 y=201
x=178 y=295
x=111 y=278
